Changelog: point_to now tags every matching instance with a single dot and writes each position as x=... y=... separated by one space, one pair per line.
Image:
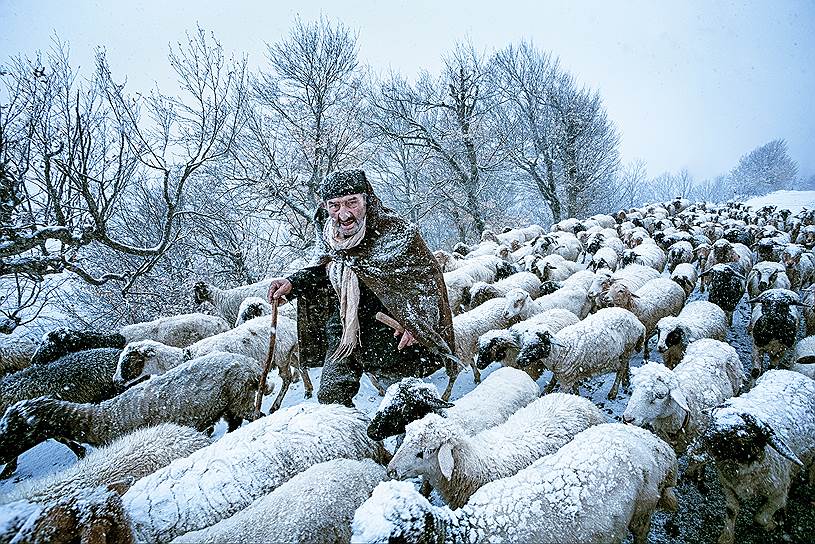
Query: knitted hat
x=344 y=183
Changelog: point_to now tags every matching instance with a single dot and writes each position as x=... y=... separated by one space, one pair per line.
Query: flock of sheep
x=503 y=462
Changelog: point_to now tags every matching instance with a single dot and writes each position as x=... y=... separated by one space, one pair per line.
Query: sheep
x=773 y=326
x=520 y=306
x=520 y=235
x=766 y=275
x=632 y=276
x=480 y=292
x=686 y=276
x=699 y=319
x=724 y=252
x=251 y=339
x=601 y=343
x=490 y=403
x=177 y=331
x=129 y=457
x=457 y=464
x=758 y=441
x=605 y=257
x=227 y=301
x=673 y=402
x=596 y=488
x=90 y=515
x=459 y=281
x=554 y=267
x=196 y=394
x=678 y=253
x=803 y=357
x=646 y=255
x=253 y=307
x=316 y=506
x=86 y=376
x=220 y=480
x=800 y=266
x=727 y=286
x=15 y=354
x=656 y=299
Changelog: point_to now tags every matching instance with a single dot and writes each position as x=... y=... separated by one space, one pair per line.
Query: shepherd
x=367 y=261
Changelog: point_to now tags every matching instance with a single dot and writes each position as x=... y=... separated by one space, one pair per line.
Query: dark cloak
x=394 y=262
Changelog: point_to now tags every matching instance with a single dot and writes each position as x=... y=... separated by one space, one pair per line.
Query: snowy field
x=700 y=515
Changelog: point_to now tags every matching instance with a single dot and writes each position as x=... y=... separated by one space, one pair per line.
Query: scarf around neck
x=346 y=285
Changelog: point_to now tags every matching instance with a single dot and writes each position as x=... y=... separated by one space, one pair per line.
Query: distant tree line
x=112 y=203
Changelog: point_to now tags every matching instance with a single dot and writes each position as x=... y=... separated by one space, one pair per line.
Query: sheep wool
x=218 y=481
x=698 y=319
x=598 y=487
x=315 y=506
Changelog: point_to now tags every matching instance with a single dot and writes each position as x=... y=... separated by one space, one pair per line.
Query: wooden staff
x=267 y=366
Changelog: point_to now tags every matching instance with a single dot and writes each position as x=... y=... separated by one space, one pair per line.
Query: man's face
x=347 y=213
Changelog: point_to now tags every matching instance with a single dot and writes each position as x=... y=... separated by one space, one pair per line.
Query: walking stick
x=267 y=366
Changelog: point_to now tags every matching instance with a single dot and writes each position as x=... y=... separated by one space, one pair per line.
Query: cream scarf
x=346 y=285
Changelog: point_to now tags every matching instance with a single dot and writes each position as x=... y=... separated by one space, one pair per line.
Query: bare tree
x=766 y=168
x=75 y=153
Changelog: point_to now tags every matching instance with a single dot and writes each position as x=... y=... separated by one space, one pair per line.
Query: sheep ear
x=705 y=273
x=432 y=401
x=679 y=397
x=445 y=457
x=772 y=438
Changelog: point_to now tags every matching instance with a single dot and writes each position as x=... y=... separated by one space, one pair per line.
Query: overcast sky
x=688 y=84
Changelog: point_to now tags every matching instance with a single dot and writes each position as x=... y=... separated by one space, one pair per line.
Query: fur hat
x=343 y=183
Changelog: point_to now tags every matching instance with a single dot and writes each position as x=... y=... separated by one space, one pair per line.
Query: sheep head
x=619 y=295
x=27 y=423
x=201 y=292
x=405 y=401
x=656 y=394
x=671 y=333
x=481 y=292
x=427 y=450
x=549 y=287
x=493 y=347
x=517 y=299
x=535 y=346
x=629 y=256
x=136 y=359
x=741 y=437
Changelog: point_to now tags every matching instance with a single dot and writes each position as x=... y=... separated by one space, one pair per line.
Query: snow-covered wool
x=489 y=248
x=724 y=252
x=773 y=326
x=808 y=310
x=605 y=257
x=660 y=297
x=253 y=307
x=601 y=343
x=15 y=355
x=645 y=254
x=62 y=341
x=800 y=266
x=567 y=246
x=459 y=281
x=604 y=483
x=678 y=253
x=520 y=235
x=726 y=287
x=456 y=463
x=227 y=301
x=803 y=357
x=220 y=480
x=250 y=339
x=130 y=457
x=554 y=267
x=759 y=441
x=567 y=225
x=499 y=396
x=195 y=394
x=90 y=515
x=520 y=306
x=467 y=327
x=671 y=402
x=686 y=276
x=698 y=319
x=766 y=275
x=632 y=276
x=315 y=506
x=503 y=345
x=449 y=262
x=480 y=292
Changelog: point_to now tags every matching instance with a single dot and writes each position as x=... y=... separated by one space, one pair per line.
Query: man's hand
x=278 y=289
x=407 y=340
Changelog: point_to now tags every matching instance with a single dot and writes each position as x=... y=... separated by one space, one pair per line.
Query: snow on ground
x=791 y=200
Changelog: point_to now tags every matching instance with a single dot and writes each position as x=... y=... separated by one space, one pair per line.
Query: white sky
x=690 y=84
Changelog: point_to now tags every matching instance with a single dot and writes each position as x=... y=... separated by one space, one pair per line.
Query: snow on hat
x=343 y=183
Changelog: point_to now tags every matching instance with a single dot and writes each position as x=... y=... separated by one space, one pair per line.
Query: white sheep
x=554 y=267
x=686 y=276
x=632 y=276
x=253 y=307
x=499 y=396
x=315 y=506
x=131 y=456
x=520 y=235
x=678 y=253
x=605 y=257
x=598 y=487
x=800 y=266
x=766 y=275
x=227 y=301
x=519 y=305
x=646 y=254
x=251 y=339
x=480 y=291
x=220 y=480
x=503 y=345
x=196 y=394
x=459 y=281
x=698 y=319
x=673 y=402
x=457 y=464
x=601 y=343
x=758 y=442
